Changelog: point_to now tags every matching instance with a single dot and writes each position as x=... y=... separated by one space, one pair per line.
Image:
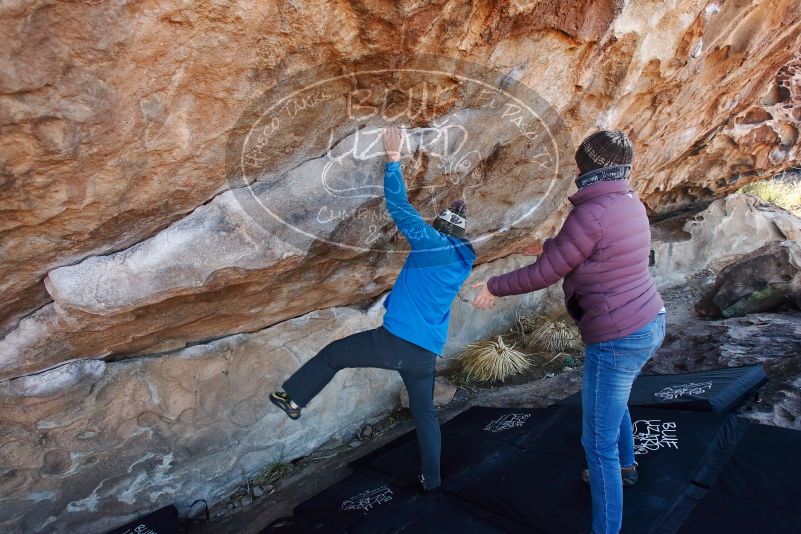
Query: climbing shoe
x=282 y=400
x=629 y=475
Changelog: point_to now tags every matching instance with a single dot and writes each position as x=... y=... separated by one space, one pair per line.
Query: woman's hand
x=485 y=300
x=393 y=139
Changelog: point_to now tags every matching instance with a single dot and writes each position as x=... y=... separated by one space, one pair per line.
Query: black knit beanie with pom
x=604 y=149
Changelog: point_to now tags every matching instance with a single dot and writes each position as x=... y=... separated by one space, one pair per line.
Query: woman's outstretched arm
x=574 y=243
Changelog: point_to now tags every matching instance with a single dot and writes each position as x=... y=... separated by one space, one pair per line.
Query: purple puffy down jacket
x=602 y=253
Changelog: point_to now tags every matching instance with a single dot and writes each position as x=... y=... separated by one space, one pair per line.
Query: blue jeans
x=610 y=368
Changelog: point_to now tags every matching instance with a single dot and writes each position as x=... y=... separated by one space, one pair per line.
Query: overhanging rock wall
x=118 y=120
x=125 y=248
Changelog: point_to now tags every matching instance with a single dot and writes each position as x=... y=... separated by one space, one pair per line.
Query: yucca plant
x=551 y=332
x=493 y=360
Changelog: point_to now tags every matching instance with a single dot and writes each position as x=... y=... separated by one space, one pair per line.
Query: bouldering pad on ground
x=162 y=521
x=519 y=470
x=717 y=390
x=471 y=442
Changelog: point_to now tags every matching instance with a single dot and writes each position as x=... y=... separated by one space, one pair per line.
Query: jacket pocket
x=574 y=308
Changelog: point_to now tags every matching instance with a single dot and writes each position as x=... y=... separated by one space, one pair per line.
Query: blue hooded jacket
x=419 y=305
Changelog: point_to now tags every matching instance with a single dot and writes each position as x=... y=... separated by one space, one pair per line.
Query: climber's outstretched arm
x=414 y=228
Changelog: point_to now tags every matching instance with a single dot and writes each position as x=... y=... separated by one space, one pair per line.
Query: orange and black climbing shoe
x=282 y=400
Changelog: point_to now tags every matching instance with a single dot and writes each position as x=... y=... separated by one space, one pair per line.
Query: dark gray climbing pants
x=384 y=350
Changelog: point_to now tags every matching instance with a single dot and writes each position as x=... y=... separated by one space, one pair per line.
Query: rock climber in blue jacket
x=416 y=320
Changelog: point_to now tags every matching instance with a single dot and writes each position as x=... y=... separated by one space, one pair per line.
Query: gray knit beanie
x=604 y=149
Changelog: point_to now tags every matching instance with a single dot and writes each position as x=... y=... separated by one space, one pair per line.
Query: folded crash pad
x=718 y=390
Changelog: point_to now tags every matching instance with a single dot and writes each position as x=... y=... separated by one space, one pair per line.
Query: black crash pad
x=512 y=426
x=544 y=493
x=721 y=513
x=471 y=442
x=364 y=504
x=450 y=515
x=536 y=486
x=764 y=469
x=434 y=514
x=718 y=390
x=162 y=521
x=673 y=443
x=460 y=464
x=311 y=524
x=512 y=470
x=530 y=483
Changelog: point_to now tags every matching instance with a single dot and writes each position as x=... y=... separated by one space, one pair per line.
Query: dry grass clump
x=781 y=192
x=493 y=360
x=274 y=473
x=551 y=332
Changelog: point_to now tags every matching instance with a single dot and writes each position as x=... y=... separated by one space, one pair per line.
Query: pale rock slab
x=90 y=445
x=724 y=231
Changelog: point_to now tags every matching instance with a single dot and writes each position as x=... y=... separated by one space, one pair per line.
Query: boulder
x=765 y=279
x=170 y=249
x=120 y=234
x=686 y=246
x=91 y=445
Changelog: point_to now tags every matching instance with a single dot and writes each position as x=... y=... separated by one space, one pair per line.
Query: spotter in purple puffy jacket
x=602 y=253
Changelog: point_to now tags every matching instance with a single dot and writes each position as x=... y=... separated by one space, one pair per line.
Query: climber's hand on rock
x=534 y=249
x=484 y=300
x=393 y=139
